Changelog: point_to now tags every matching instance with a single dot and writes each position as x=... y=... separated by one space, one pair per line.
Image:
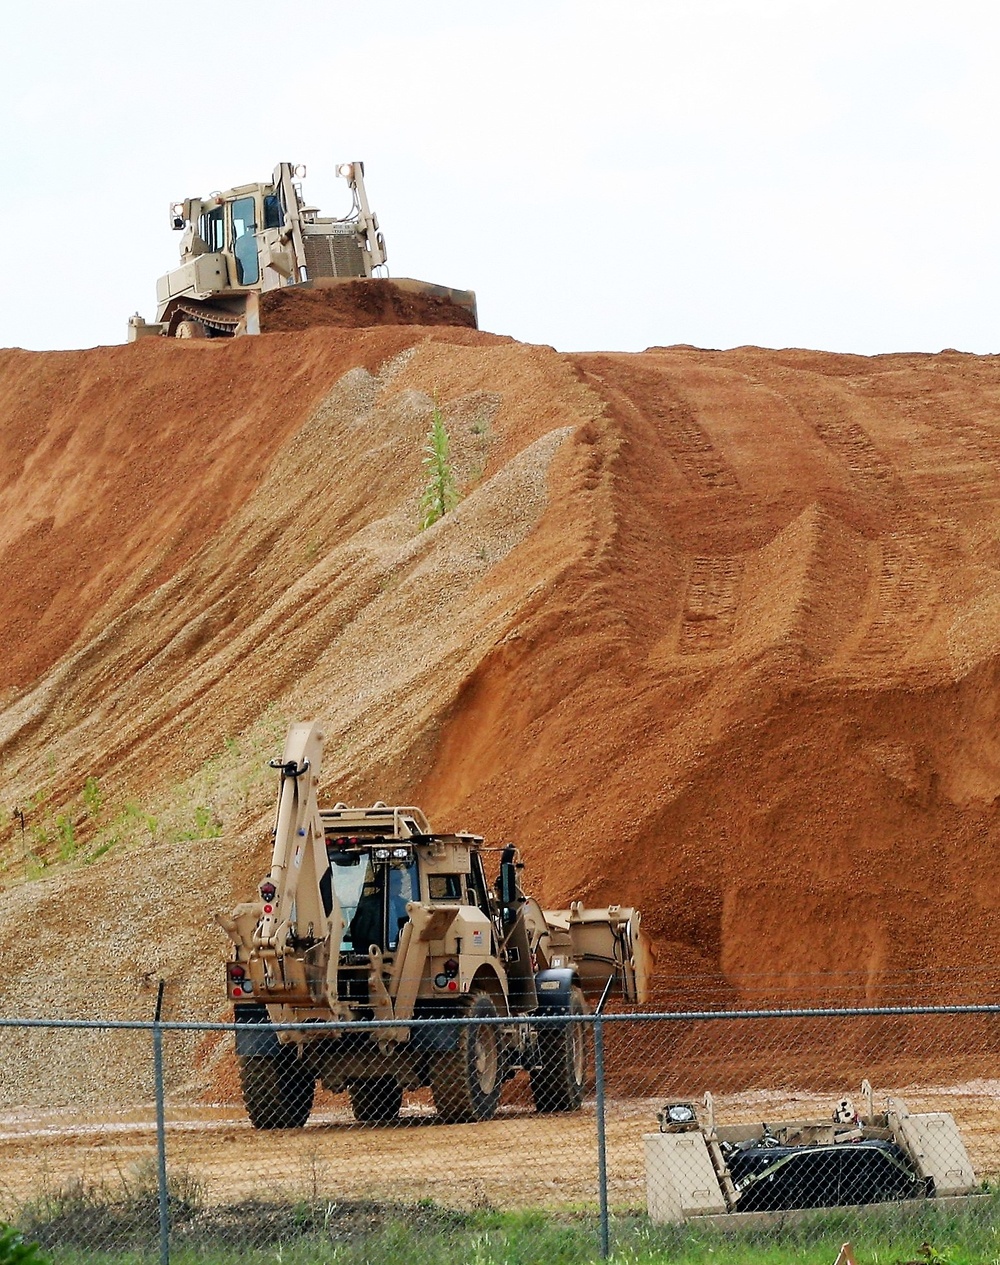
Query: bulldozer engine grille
x=333 y=255
x=469 y=1135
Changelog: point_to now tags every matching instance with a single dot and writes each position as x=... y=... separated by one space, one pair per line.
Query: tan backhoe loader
x=369 y=914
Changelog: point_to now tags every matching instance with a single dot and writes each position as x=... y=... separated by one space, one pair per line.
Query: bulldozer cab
x=269 y=237
x=230 y=222
x=231 y=227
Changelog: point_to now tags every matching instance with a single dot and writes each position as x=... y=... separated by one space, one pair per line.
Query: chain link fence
x=638 y=1136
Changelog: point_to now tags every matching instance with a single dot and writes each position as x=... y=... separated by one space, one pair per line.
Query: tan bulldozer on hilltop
x=257 y=258
x=367 y=914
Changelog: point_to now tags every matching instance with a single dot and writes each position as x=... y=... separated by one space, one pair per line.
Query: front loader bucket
x=606 y=943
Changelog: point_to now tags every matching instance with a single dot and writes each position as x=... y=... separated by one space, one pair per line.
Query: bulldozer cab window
x=274 y=217
x=245 y=242
x=210 y=229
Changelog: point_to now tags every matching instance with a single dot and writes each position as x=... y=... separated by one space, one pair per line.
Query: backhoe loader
x=370 y=914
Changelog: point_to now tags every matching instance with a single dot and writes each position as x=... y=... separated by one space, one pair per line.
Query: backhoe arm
x=293 y=893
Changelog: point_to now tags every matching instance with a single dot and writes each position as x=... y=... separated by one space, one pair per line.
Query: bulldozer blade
x=356 y=302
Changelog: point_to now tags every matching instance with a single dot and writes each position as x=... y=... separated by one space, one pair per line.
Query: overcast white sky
x=820 y=173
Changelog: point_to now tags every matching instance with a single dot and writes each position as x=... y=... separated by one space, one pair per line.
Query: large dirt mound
x=713 y=633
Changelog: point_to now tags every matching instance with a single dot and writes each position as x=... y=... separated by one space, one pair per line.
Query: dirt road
x=517 y=1160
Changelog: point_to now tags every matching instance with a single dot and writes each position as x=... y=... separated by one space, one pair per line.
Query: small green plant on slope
x=93 y=798
x=67 y=837
x=440 y=494
x=206 y=826
x=480 y=431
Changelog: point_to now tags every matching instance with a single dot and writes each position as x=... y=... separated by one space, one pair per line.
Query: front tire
x=376 y=1101
x=557 y=1084
x=277 y=1089
x=467 y=1081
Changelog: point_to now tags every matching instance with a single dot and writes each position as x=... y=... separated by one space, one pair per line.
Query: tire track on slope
x=901 y=595
x=668 y=459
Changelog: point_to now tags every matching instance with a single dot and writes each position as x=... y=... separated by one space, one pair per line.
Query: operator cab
x=230 y=223
x=373 y=891
x=375 y=872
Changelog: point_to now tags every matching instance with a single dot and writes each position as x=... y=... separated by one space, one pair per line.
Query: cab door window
x=210 y=229
x=350 y=875
x=245 y=242
x=403 y=887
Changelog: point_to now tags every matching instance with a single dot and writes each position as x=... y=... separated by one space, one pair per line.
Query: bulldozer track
x=903 y=602
x=214 y=318
x=711 y=604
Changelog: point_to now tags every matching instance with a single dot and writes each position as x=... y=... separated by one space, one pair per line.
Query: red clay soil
x=713 y=633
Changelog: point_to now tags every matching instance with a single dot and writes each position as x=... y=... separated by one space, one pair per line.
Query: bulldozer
x=368 y=914
x=257 y=258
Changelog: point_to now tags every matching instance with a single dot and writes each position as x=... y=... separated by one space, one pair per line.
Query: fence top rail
x=365 y=1025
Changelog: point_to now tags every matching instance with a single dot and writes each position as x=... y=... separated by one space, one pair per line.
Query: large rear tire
x=277 y=1089
x=466 y=1082
x=557 y=1084
x=376 y=1101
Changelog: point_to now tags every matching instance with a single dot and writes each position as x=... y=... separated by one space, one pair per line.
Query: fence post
x=161 y=1131
x=602 y=1149
x=602 y=1142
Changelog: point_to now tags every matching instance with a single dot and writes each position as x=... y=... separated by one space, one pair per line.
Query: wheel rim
x=486 y=1064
